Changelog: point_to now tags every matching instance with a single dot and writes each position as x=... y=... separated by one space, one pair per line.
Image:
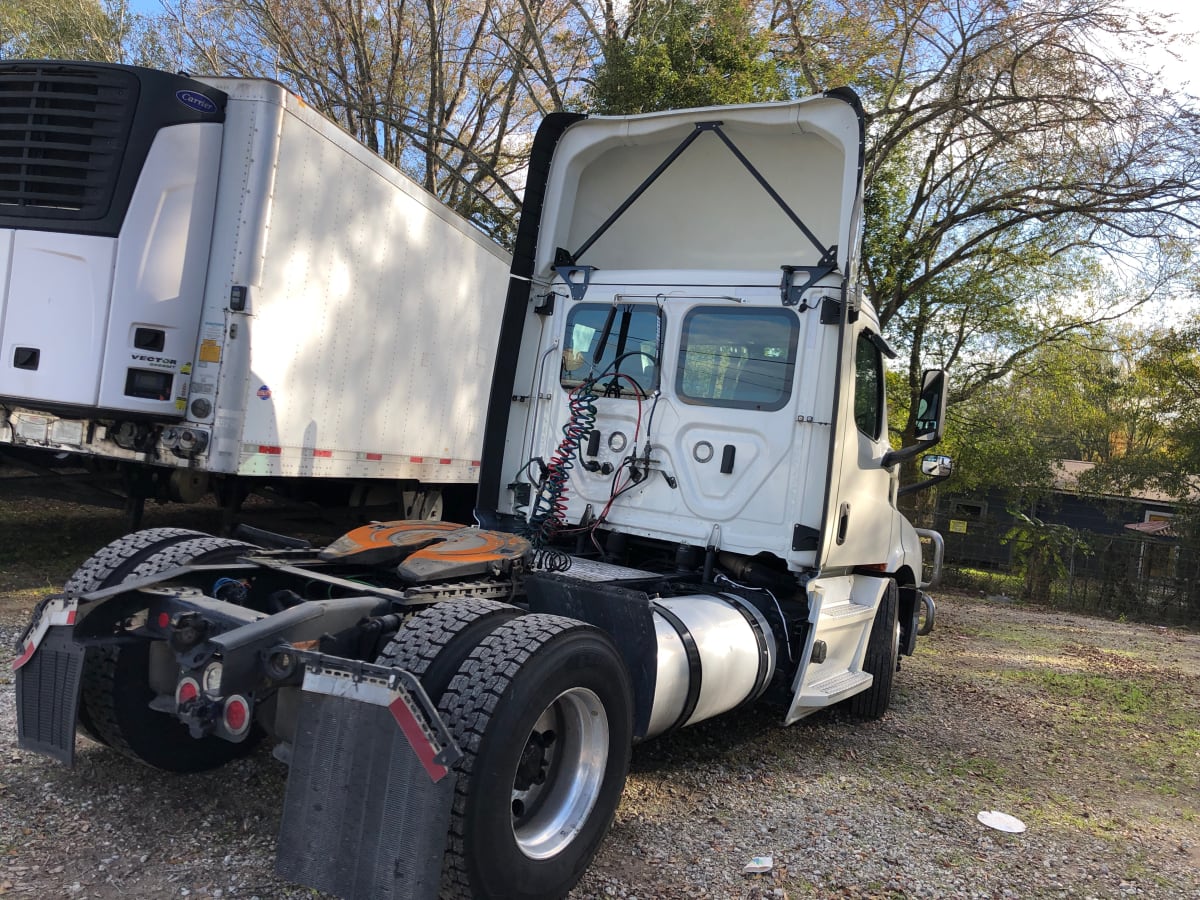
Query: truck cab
x=698 y=373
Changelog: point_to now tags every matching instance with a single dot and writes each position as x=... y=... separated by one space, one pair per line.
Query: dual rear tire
x=114 y=706
x=542 y=708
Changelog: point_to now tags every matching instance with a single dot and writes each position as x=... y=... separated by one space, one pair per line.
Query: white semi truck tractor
x=687 y=504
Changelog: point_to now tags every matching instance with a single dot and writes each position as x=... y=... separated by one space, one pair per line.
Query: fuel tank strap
x=695 y=667
x=756 y=623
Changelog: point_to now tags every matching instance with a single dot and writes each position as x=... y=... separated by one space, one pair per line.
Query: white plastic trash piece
x=758 y=865
x=1001 y=821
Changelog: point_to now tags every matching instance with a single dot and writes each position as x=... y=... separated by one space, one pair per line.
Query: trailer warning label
x=210 y=351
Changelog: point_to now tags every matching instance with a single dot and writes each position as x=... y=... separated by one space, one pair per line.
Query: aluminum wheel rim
x=568 y=746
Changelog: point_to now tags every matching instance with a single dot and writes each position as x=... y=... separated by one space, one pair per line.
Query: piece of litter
x=757 y=865
x=1001 y=821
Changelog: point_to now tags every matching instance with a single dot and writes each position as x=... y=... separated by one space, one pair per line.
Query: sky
x=1186 y=21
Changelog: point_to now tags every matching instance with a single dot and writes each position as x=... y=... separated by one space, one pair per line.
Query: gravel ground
x=1088 y=731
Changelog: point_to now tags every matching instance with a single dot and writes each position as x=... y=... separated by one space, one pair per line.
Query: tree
x=684 y=53
x=64 y=29
x=1024 y=178
x=1157 y=435
x=451 y=93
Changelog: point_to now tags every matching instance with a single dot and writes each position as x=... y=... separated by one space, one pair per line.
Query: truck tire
x=103 y=568
x=433 y=643
x=882 y=659
x=109 y=565
x=543 y=712
x=116 y=689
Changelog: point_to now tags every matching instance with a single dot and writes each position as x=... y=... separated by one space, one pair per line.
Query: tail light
x=236 y=716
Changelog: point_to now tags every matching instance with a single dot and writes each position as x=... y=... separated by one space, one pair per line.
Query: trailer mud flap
x=48 y=694
x=363 y=815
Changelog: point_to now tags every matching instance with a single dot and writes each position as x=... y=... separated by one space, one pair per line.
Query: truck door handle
x=843 y=522
x=727 y=459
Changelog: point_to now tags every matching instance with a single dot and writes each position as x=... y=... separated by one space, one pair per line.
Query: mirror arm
x=921 y=485
x=903 y=455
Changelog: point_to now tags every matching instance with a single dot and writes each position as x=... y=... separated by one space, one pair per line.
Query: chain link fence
x=1116 y=575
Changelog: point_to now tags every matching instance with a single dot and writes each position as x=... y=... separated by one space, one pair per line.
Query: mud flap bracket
x=367 y=807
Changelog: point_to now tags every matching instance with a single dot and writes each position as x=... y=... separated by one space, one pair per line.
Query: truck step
x=594 y=570
x=835 y=688
x=846 y=612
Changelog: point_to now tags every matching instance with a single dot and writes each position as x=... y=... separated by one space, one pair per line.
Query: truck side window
x=743 y=358
x=868 y=388
x=626 y=337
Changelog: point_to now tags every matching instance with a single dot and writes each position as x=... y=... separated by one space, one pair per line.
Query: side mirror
x=931 y=408
x=930 y=420
x=937 y=466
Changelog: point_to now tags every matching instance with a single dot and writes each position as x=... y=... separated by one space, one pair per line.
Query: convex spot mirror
x=931 y=408
x=937 y=466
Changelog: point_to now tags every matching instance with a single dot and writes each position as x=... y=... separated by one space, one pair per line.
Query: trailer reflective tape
x=416 y=459
x=323 y=454
x=445 y=462
x=270 y=451
x=375 y=457
x=56 y=612
x=475 y=464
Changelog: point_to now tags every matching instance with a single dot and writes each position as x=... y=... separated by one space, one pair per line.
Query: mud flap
x=363 y=815
x=48 y=677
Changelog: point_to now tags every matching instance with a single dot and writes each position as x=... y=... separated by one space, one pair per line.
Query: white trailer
x=205 y=278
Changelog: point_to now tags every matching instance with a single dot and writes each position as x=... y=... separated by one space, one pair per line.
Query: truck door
x=859 y=514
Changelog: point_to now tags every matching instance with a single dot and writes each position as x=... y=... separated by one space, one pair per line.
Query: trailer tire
x=543 y=712
x=433 y=643
x=882 y=659
x=105 y=565
x=116 y=689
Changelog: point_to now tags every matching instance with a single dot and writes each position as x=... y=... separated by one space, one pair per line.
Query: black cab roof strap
x=828 y=254
x=638 y=191
x=772 y=193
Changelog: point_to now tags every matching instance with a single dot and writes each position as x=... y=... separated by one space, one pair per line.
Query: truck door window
x=606 y=342
x=868 y=388
x=743 y=358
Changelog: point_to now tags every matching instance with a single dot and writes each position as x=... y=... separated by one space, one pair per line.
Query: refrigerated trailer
x=687 y=504
x=203 y=280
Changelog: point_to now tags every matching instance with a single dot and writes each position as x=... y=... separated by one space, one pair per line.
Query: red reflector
x=188 y=690
x=237 y=715
x=163 y=620
x=375 y=457
x=445 y=462
x=416 y=459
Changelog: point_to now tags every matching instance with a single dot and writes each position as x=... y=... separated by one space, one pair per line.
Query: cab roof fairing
x=706 y=210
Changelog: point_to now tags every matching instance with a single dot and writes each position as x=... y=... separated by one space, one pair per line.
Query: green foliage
x=63 y=29
x=1041 y=550
x=684 y=53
